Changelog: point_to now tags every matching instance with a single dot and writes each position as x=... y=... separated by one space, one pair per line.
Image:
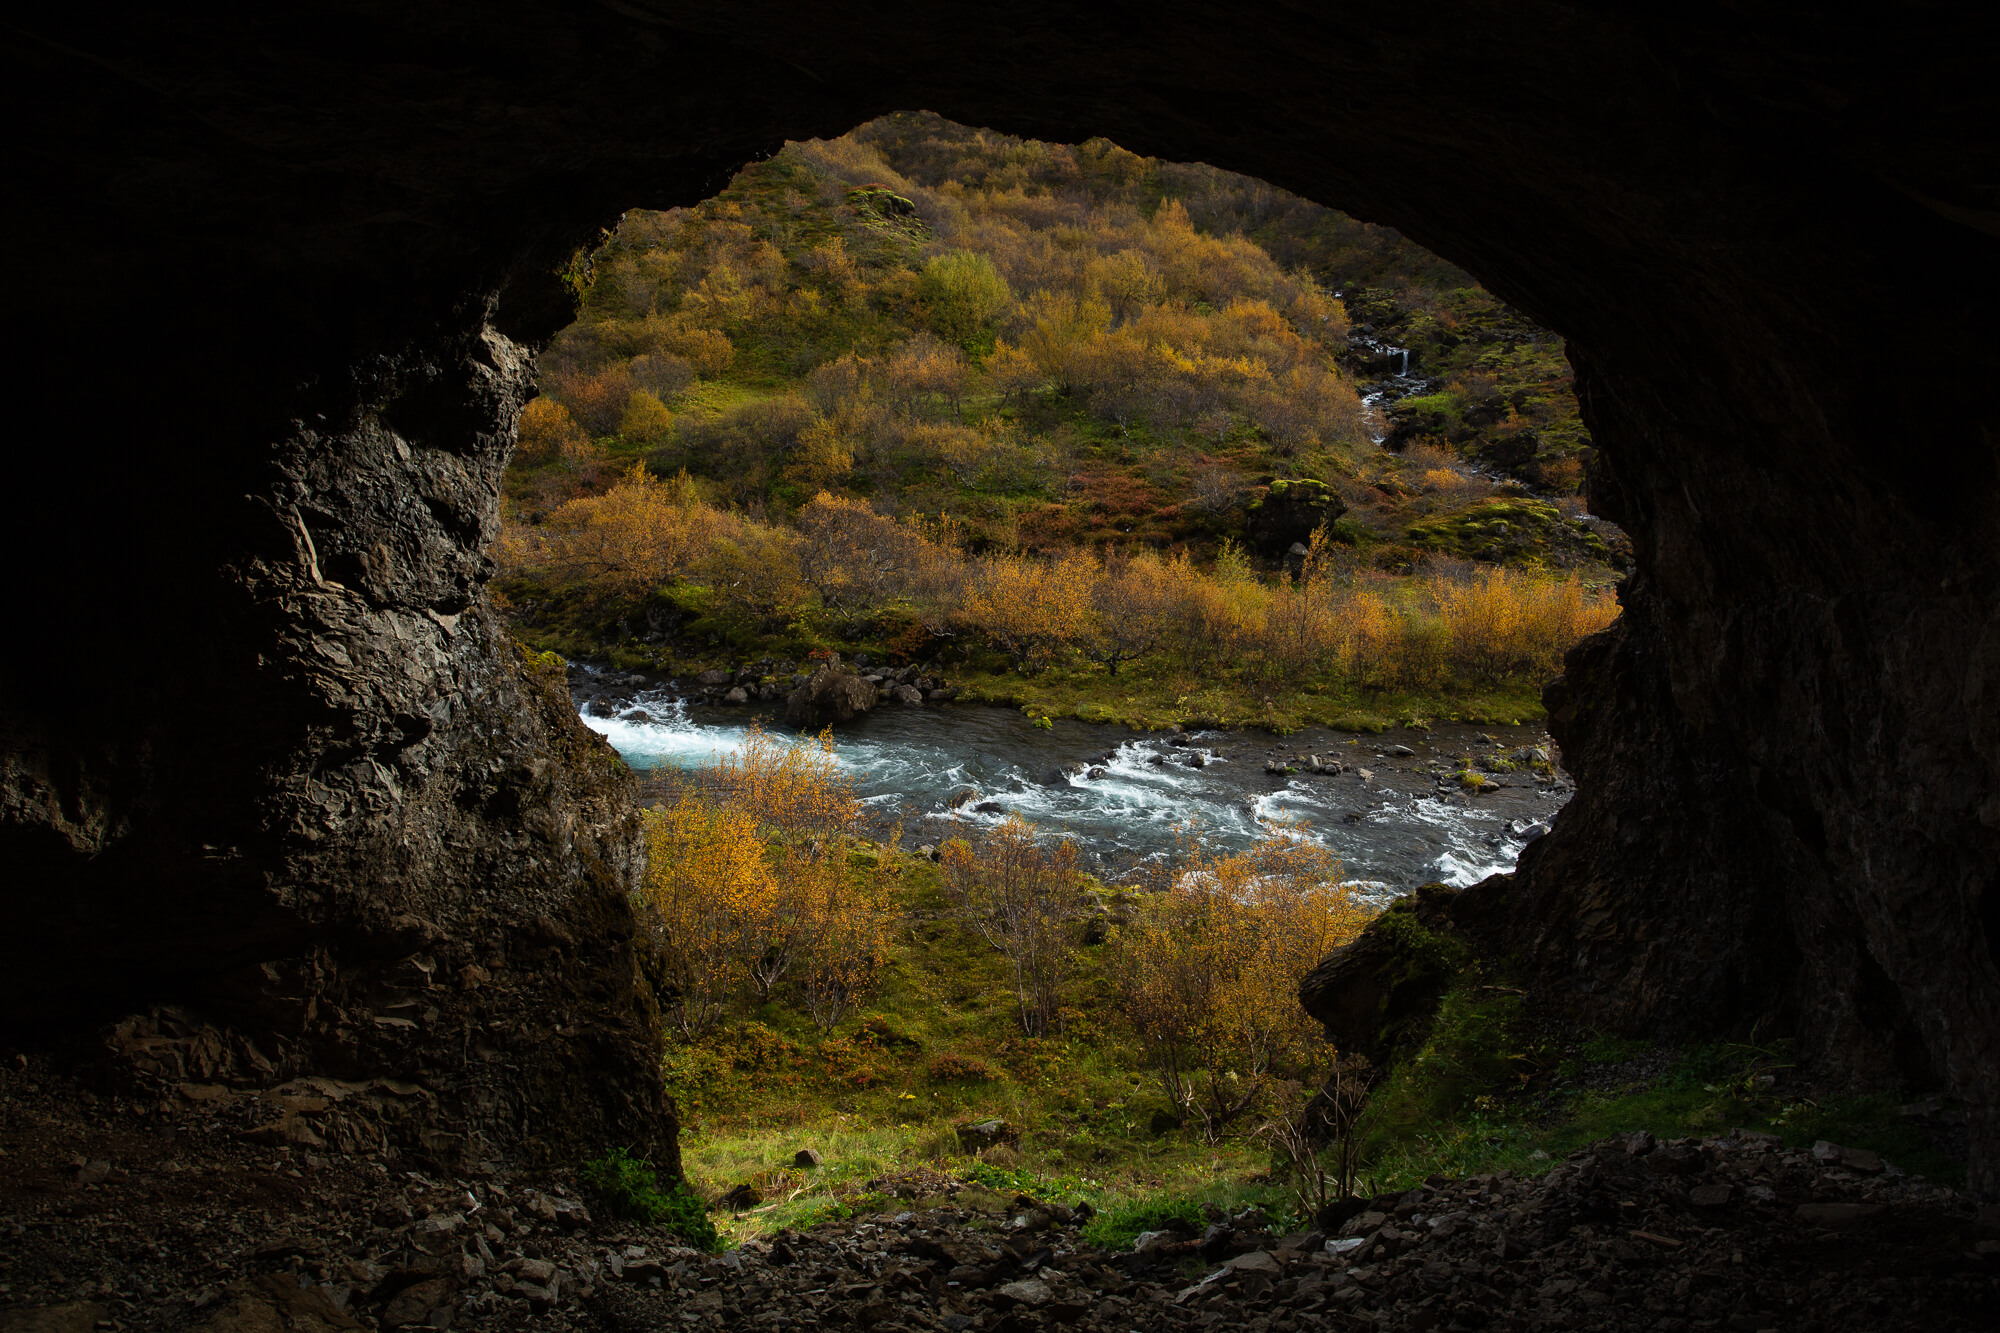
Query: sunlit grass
x=856 y=1155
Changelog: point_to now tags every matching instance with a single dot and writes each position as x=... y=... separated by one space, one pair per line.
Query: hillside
x=879 y=384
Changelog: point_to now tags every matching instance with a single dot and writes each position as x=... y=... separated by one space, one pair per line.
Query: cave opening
x=288 y=747
x=922 y=363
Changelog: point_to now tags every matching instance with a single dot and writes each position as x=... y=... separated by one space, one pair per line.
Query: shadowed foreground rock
x=1375 y=996
x=178 y=1219
x=279 y=270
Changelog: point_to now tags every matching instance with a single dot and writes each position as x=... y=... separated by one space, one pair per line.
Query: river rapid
x=1406 y=823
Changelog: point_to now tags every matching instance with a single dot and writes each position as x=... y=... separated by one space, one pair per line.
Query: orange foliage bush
x=1023 y=895
x=640 y=534
x=748 y=881
x=548 y=432
x=1209 y=968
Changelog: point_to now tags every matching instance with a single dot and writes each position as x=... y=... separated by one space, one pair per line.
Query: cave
x=270 y=758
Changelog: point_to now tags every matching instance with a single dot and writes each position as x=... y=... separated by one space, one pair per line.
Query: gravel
x=188 y=1213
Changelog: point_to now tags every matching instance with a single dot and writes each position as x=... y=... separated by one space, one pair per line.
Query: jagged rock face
x=381 y=842
x=831 y=694
x=1288 y=515
x=1769 y=240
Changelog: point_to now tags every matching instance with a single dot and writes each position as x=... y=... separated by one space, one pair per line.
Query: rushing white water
x=1391 y=832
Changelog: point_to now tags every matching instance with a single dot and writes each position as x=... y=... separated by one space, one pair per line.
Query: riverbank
x=178 y=1220
x=1449 y=803
x=1156 y=700
x=1142 y=695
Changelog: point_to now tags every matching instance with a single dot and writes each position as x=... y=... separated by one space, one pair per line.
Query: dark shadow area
x=280 y=278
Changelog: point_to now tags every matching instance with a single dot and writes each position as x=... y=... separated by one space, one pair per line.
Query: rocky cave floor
x=208 y=1209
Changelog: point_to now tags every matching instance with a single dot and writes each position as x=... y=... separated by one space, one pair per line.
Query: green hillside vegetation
x=853 y=1023
x=938 y=1046
x=1020 y=352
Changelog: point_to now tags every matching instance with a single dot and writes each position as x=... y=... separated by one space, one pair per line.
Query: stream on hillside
x=1404 y=824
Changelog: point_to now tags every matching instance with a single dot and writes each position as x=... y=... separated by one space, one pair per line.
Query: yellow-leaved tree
x=643 y=532
x=1030 y=607
x=1024 y=896
x=1210 y=964
x=751 y=881
x=848 y=909
x=705 y=878
x=853 y=557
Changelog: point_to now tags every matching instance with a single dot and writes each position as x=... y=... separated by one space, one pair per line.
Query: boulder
x=739 y=695
x=1375 y=996
x=1289 y=512
x=714 y=680
x=1029 y=1291
x=985 y=1134
x=1257 y=1261
x=831 y=694
x=907 y=694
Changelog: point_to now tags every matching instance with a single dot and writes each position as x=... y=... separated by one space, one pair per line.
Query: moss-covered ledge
x=1376 y=996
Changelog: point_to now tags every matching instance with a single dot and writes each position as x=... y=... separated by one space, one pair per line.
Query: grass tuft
x=630 y=1189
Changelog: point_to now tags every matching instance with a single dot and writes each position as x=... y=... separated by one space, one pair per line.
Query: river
x=1405 y=824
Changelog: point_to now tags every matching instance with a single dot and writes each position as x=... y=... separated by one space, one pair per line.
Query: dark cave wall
x=262 y=714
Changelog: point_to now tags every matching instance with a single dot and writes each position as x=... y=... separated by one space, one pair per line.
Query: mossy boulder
x=1376 y=996
x=833 y=693
x=1289 y=512
x=1512 y=531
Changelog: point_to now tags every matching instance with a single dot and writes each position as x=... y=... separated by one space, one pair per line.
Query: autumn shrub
x=854 y=558
x=957 y=1067
x=798 y=788
x=1131 y=606
x=743 y=448
x=1564 y=476
x=1023 y=895
x=547 y=432
x=849 y=915
x=960 y=294
x=705 y=892
x=662 y=374
x=749 y=885
x=646 y=419
x=754 y=572
x=823 y=454
x=1499 y=622
x=596 y=399
x=922 y=377
x=833 y=385
x=1030 y=607
x=643 y=532
x=1210 y=965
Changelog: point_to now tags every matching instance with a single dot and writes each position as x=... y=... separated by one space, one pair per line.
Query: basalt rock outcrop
x=276 y=272
x=832 y=693
x=1288 y=513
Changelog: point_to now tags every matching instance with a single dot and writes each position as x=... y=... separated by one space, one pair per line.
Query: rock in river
x=831 y=694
